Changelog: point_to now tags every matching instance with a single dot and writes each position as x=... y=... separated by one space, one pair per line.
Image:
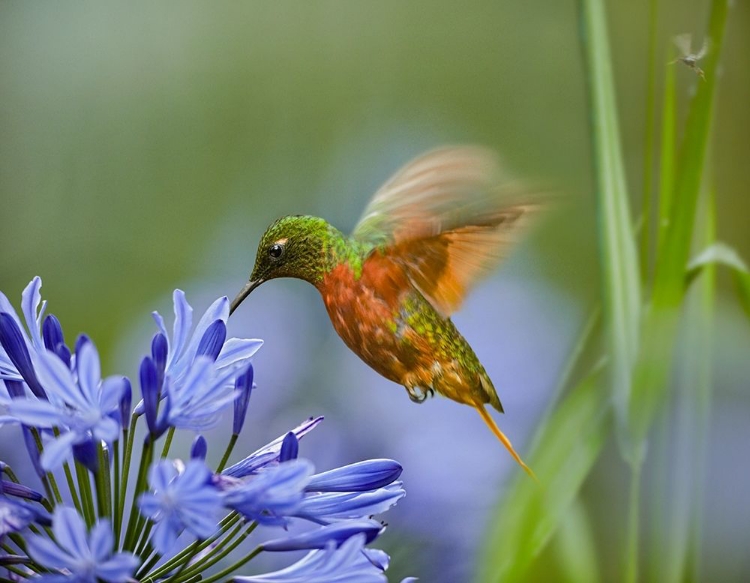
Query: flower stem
x=50 y=485
x=103 y=483
x=227 y=453
x=72 y=488
x=134 y=521
x=127 y=439
x=226 y=523
x=117 y=514
x=87 y=497
x=140 y=548
x=233 y=567
x=147 y=565
x=167 y=443
x=206 y=563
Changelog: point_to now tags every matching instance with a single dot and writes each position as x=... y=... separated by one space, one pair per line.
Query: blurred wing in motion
x=683 y=43
x=448 y=217
x=703 y=50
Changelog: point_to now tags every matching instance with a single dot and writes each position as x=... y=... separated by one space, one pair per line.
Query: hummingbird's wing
x=448 y=217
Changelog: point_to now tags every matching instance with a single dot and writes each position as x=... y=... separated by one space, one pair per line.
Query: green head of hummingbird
x=428 y=235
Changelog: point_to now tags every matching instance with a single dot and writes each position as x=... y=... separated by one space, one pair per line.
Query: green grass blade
x=722 y=254
x=529 y=514
x=686 y=472
x=649 y=135
x=667 y=155
x=616 y=238
x=652 y=370
x=576 y=547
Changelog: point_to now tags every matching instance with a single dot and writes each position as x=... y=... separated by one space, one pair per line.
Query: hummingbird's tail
x=504 y=440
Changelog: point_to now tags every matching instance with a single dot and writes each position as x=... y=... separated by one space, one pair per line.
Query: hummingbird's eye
x=275 y=250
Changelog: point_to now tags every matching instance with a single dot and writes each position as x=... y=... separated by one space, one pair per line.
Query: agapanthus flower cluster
x=112 y=504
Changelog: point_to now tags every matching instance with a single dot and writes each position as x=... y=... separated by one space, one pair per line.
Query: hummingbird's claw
x=419 y=394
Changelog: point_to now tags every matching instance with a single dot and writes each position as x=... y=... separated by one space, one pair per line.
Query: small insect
x=684 y=44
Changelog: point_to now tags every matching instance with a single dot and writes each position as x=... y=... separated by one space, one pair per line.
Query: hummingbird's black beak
x=244 y=292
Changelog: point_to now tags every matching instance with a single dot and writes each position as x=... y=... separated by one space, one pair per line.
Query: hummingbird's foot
x=419 y=394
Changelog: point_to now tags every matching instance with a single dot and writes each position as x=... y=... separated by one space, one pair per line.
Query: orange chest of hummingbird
x=372 y=315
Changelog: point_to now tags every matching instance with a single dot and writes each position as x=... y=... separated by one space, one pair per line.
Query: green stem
x=49 y=482
x=17 y=571
x=87 y=496
x=217 y=553
x=232 y=568
x=134 y=521
x=167 y=443
x=116 y=500
x=72 y=488
x=226 y=523
x=140 y=547
x=106 y=480
x=127 y=439
x=227 y=453
x=206 y=564
x=147 y=565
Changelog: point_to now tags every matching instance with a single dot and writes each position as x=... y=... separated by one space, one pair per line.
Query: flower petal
x=183 y=320
x=118 y=569
x=269 y=453
x=89 y=371
x=101 y=540
x=219 y=310
x=58 y=381
x=70 y=532
x=56 y=451
x=42 y=414
x=47 y=553
x=319 y=538
x=30 y=303
x=357 y=477
x=238 y=350
x=14 y=343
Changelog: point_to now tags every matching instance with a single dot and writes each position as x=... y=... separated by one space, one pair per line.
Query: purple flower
x=197 y=402
x=320 y=538
x=12 y=332
x=15 y=515
x=187 y=381
x=78 y=557
x=19 y=490
x=198 y=372
x=199 y=449
x=348 y=563
x=272 y=495
x=244 y=385
x=357 y=477
x=183 y=348
x=269 y=454
x=289 y=448
x=80 y=403
x=331 y=506
x=180 y=500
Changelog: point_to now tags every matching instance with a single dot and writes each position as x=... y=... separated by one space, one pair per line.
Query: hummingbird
x=431 y=232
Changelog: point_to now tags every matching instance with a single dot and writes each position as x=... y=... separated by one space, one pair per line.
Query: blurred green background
x=145 y=147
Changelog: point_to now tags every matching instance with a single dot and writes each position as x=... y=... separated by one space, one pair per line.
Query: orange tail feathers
x=503 y=439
